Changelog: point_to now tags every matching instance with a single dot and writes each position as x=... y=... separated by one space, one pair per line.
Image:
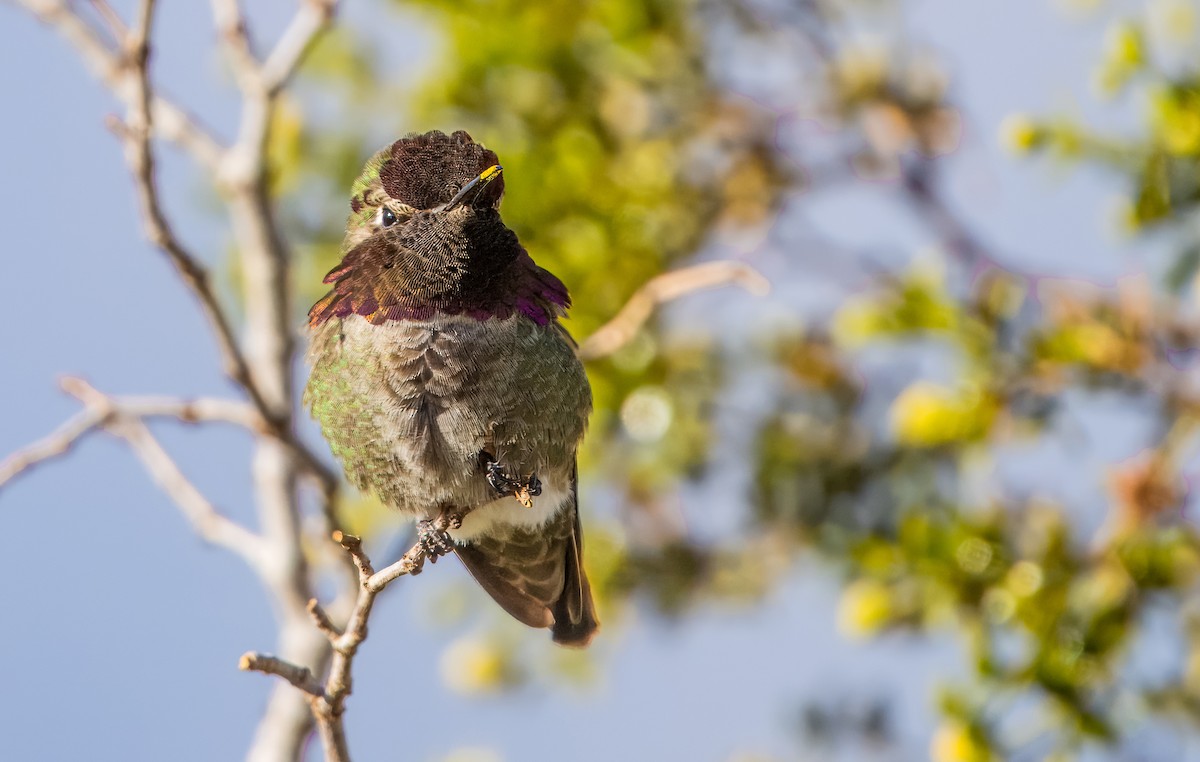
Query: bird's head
x=425 y=235
x=421 y=179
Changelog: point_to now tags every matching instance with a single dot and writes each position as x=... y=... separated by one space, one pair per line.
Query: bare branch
x=322 y=621
x=201 y=409
x=209 y=523
x=301 y=677
x=116 y=27
x=203 y=516
x=328 y=701
x=618 y=332
x=231 y=28
x=262 y=364
x=410 y=563
x=353 y=546
x=112 y=69
x=270 y=349
x=308 y=23
x=140 y=156
x=126 y=421
x=59 y=442
x=920 y=187
x=198 y=410
x=137 y=39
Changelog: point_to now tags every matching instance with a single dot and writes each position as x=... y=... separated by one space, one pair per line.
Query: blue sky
x=122 y=630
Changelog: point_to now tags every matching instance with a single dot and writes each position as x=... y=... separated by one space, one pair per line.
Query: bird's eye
x=387 y=217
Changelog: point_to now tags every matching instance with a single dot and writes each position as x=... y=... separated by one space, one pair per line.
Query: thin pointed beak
x=477 y=185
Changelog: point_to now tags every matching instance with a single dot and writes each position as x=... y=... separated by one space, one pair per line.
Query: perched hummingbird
x=443 y=380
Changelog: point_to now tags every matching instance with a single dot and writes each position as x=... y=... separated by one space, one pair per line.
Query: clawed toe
x=507 y=485
x=500 y=480
x=434 y=540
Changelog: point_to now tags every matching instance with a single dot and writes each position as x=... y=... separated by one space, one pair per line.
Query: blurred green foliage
x=627 y=152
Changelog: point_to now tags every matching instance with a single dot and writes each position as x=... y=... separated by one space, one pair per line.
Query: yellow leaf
x=866 y=606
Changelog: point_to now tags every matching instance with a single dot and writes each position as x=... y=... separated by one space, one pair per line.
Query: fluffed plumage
x=437 y=347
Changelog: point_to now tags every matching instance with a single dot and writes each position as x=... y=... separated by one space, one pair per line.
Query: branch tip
x=322 y=621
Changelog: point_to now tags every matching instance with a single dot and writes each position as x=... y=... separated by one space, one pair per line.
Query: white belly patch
x=506 y=511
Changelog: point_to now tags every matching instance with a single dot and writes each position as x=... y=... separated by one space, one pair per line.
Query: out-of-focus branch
x=112 y=68
x=116 y=27
x=139 y=154
x=61 y=440
x=263 y=363
x=270 y=350
x=618 y=332
x=243 y=167
x=198 y=410
x=231 y=29
x=101 y=411
x=58 y=442
x=327 y=701
x=920 y=186
x=310 y=20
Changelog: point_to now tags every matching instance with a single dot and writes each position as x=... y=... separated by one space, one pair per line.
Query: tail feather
x=574 y=612
x=537 y=576
x=495 y=577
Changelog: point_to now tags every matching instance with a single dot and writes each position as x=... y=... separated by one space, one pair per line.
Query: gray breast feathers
x=408 y=406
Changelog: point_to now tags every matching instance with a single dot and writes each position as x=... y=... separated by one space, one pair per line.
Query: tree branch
x=116 y=27
x=301 y=677
x=308 y=23
x=619 y=331
x=101 y=411
x=61 y=440
x=139 y=155
x=270 y=349
x=920 y=187
x=58 y=442
x=263 y=363
x=231 y=29
x=114 y=71
x=327 y=701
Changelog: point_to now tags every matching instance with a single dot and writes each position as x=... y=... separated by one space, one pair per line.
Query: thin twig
x=328 y=701
x=58 y=442
x=139 y=154
x=310 y=20
x=322 y=621
x=618 y=332
x=112 y=68
x=235 y=40
x=116 y=27
x=205 y=519
x=61 y=440
x=920 y=187
x=301 y=677
x=263 y=364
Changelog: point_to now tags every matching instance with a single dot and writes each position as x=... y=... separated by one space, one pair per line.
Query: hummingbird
x=444 y=381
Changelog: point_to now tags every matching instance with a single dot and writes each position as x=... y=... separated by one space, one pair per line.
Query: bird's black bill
x=475 y=186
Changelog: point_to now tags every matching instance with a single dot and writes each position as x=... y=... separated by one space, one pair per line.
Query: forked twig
x=328 y=699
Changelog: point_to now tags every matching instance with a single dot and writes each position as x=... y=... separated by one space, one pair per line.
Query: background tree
x=985 y=454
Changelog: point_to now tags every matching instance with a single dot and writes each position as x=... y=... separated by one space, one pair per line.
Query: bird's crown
x=423 y=172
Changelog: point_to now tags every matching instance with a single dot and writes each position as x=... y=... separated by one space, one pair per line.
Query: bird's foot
x=505 y=484
x=433 y=538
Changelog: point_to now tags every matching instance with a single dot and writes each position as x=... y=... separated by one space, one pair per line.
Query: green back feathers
x=366 y=194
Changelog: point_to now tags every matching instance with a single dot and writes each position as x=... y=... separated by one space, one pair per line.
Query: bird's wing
x=575 y=613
